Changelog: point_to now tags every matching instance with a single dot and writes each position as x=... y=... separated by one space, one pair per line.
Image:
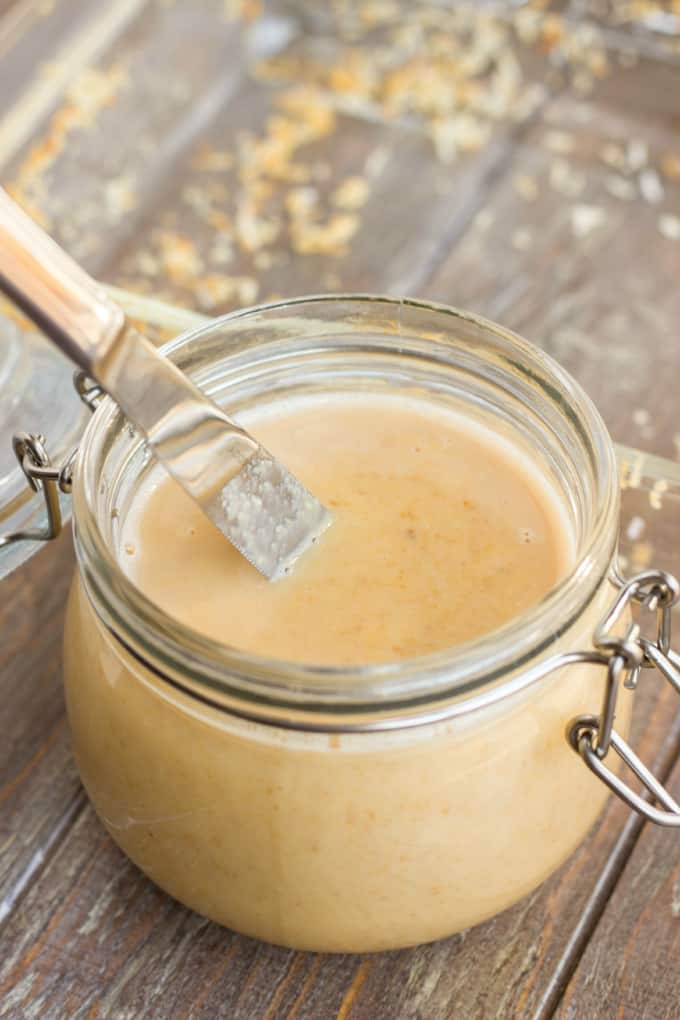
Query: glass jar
x=358 y=809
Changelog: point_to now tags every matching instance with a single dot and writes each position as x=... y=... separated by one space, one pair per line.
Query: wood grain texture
x=297 y=185
x=227 y=180
x=117 y=119
x=30 y=35
x=571 y=254
x=277 y=156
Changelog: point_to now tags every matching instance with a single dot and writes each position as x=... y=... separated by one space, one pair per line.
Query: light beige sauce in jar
x=363 y=841
x=442 y=531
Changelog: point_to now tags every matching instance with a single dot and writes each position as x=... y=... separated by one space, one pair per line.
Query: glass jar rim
x=392 y=694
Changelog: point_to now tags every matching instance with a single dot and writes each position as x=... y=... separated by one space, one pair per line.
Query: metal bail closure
x=626 y=655
x=582 y=736
x=43 y=476
x=35 y=463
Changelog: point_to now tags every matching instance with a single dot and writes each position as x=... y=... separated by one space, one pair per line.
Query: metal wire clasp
x=42 y=476
x=626 y=654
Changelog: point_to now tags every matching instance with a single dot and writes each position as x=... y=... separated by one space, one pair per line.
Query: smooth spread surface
x=442 y=531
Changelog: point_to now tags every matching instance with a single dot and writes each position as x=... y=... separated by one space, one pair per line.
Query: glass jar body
x=333 y=842
x=337 y=810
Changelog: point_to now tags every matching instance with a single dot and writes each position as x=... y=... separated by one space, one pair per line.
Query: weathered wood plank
x=579 y=250
x=362 y=232
x=118 y=123
x=298 y=183
x=45 y=48
x=31 y=36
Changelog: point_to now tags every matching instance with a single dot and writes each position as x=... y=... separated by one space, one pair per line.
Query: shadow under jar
x=346 y=809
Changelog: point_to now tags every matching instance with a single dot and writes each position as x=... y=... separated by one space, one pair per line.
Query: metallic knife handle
x=64 y=302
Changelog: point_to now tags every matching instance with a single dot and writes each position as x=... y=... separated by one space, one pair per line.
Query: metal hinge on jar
x=592 y=737
x=43 y=476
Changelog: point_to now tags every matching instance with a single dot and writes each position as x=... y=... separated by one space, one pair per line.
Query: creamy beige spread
x=363 y=841
x=441 y=531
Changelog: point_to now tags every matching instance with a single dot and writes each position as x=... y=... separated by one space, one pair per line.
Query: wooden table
x=522 y=161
